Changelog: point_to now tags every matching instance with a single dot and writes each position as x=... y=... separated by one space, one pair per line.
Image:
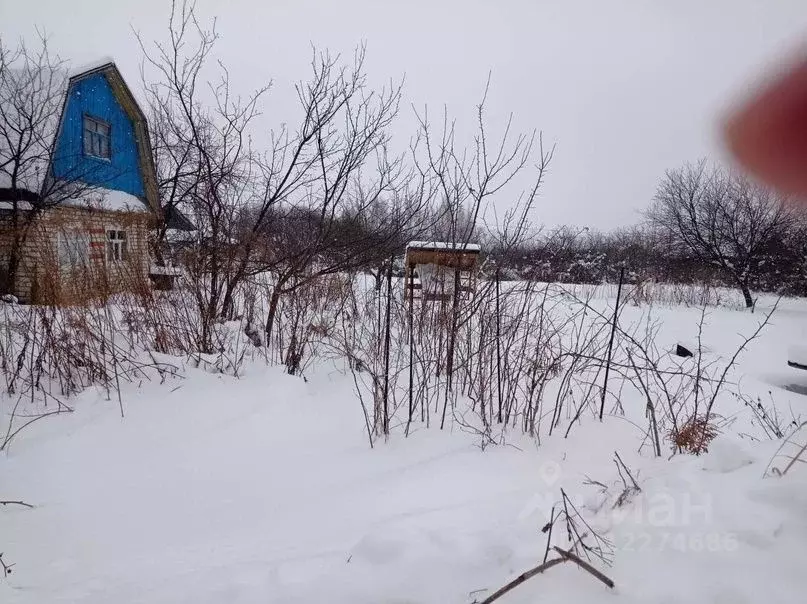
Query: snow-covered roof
x=176 y=220
x=23 y=184
x=109 y=200
x=21 y=193
x=91 y=66
x=443 y=245
x=23 y=206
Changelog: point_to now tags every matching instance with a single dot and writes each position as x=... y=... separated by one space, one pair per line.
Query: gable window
x=116 y=245
x=73 y=249
x=97 y=137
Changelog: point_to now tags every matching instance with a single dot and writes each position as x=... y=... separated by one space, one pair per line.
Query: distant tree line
x=706 y=224
x=571 y=256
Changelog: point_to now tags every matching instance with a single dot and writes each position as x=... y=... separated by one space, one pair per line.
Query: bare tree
x=292 y=210
x=327 y=174
x=32 y=88
x=469 y=181
x=205 y=161
x=723 y=218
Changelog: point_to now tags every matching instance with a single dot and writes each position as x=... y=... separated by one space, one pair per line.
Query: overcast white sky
x=626 y=88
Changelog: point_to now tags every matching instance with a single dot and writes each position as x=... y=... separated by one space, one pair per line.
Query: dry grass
x=694 y=435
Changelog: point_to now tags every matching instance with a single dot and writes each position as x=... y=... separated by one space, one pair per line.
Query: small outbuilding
x=436 y=269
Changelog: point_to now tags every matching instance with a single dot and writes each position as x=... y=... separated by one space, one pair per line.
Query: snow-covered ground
x=263 y=489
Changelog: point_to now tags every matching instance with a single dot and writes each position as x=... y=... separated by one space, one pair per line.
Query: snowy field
x=263 y=488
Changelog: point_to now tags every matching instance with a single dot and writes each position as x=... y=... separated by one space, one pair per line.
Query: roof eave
x=96 y=69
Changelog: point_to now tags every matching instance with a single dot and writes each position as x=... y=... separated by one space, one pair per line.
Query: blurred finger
x=768 y=134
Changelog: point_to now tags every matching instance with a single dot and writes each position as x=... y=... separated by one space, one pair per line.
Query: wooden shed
x=436 y=269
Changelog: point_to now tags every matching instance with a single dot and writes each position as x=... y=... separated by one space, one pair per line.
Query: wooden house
x=95 y=241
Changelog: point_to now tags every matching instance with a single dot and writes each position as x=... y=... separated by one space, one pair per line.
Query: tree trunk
x=270 y=319
x=749 y=301
x=9 y=274
x=228 y=304
x=19 y=227
x=232 y=283
x=378 y=275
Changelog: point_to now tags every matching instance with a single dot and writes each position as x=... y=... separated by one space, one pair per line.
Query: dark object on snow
x=796 y=365
x=682 y=351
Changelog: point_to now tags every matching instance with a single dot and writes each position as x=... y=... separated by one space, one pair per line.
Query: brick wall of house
x=41 y=278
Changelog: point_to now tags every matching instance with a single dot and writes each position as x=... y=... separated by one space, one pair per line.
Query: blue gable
x=93 y=96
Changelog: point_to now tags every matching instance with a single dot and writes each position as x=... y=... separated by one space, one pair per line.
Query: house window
x=116 y=245
x=97 y=138
x=73 y=248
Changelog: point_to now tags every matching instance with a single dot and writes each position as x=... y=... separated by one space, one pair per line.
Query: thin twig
x=6 y=567
x=584 y=565
x=521 y=578
x=548 y=529
x=21 y=503
x=627 y=471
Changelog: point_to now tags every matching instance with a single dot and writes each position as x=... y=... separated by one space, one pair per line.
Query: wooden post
x=498 y=344
x=386 y=348
x=451 y=341
x=410 y=281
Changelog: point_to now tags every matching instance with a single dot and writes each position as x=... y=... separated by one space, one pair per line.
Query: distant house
x=95 y=239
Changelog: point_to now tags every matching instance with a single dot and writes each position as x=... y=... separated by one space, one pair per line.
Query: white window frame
x=97 y=138
x=116 y=247
x=73 y=249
